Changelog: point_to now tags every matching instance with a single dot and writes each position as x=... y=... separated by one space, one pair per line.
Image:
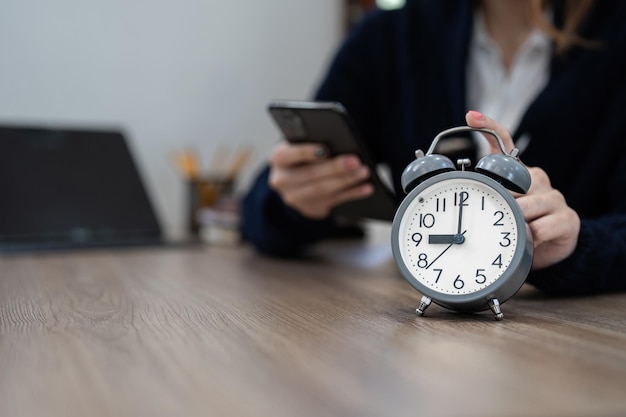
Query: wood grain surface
x=215 y=331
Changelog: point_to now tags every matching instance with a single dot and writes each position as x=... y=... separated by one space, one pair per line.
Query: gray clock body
x=460 y=239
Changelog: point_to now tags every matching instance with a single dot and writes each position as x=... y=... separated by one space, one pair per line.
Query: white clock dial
x=458 y=236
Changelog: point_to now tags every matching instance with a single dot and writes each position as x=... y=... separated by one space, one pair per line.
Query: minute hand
x=462 y=199
x=446 y=249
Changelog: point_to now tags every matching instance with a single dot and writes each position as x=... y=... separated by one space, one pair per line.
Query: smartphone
x=328 y=123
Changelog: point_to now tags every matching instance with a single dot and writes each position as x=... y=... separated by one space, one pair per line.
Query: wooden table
x=212 y=331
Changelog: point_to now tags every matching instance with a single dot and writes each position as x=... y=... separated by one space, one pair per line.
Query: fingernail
x=351 y=163
x=476 y=114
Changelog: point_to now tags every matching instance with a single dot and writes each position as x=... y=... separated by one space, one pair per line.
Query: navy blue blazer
x=401 y=75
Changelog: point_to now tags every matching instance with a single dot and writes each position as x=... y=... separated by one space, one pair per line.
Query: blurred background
x=173 y=75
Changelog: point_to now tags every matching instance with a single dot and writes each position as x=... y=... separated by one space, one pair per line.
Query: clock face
x=458 y=235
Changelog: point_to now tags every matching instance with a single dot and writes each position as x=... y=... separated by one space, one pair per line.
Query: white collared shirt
x=505 y=96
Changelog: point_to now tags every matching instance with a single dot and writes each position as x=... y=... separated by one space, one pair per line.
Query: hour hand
x=457 y=238
x=443 y=239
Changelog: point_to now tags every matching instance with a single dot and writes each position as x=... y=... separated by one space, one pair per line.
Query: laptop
x=71 y=188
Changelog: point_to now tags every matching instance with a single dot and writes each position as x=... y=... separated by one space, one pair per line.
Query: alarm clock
x=459 y=237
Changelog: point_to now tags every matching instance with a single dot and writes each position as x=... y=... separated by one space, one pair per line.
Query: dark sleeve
x=597 y=264
x=273 y=227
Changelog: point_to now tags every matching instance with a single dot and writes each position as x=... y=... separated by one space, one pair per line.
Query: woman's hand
x=554 y=225
x=312 y=183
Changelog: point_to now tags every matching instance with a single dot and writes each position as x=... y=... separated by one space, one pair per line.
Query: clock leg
x=424 y=303
x=494 y=305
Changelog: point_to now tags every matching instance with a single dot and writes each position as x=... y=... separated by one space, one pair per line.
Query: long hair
x=567 y=36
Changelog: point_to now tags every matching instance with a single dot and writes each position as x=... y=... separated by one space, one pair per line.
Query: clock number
x=427 y=220
x=458 y=283
x=439 y=271
x=506 y=241
x=480 y=277
x=440 y=204
x=417 y=238
x=499 y=221
x=482 y=203
x=498 y=261
x=461 y=198
x=422 y=260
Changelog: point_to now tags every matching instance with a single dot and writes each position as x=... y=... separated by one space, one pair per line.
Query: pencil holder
x=203 y=193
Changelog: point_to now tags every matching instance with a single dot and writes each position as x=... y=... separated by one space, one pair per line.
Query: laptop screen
x=71 y=188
